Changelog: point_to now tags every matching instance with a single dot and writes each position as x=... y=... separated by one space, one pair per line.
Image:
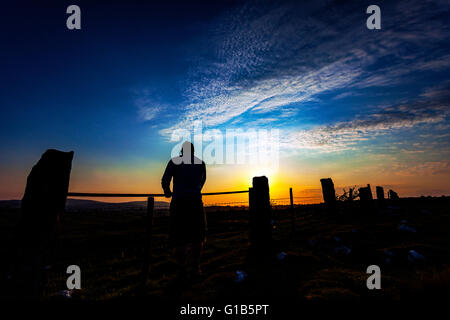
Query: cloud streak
x=276 y=58
x=346 y=135
x=147 y=108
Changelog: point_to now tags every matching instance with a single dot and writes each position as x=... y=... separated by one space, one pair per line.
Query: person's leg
x=199 y=238
x=181 y=258
x=197 y=249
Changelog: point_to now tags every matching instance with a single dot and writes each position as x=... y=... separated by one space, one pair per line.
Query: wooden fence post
x=365 y=197
x=380 y=197
x=148 y=239
x=329 y=194
x=380 y=193
x=260 y=222
x=293 y=217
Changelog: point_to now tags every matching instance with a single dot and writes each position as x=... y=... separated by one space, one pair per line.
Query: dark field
x=326 y=259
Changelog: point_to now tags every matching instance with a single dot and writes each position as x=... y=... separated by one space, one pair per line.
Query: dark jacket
x=188 y=179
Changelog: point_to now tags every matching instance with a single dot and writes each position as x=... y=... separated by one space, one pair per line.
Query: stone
x=46 y=191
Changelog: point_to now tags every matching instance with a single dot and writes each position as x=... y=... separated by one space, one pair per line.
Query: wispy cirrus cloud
x=147 y=113
x=348 y=134
x=269 y=57
x=426 y=168
x=268 y=95
x=442 y=90
x=147 y=108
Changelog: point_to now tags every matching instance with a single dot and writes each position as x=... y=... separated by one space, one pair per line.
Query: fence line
x=259 y=205
x=226 y=203
x=299 y=200
x=140 y=195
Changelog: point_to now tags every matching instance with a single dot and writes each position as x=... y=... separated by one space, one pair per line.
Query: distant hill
x=13 y=204
x=80 y=204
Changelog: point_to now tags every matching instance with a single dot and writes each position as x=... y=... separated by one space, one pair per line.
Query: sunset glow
x=357 y=105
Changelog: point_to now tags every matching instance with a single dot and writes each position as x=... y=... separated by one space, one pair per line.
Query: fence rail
x=140 y=195
x=149 y=217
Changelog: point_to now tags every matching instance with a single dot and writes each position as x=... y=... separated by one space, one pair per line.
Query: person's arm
x=202 y=183
x=166 y=178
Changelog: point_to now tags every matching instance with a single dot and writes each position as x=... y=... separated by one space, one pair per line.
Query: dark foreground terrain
x=325 y=259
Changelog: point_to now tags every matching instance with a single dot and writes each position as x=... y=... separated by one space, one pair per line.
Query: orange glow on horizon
x=303 y=176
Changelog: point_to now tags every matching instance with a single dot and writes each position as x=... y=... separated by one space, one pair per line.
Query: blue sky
x=342 y=95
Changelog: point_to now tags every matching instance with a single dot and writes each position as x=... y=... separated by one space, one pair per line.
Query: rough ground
x=326 y=258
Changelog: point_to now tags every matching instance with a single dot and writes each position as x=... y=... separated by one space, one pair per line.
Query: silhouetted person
x=187 y=216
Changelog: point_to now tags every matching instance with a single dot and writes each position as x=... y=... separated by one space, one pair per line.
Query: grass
x=107 y=247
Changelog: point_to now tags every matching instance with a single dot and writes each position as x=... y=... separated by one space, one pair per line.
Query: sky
x=357 y=105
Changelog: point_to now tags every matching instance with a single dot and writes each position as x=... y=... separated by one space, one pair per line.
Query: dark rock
x=44 y=200
x=46 y=192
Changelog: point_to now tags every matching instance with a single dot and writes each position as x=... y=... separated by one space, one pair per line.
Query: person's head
x=187 y=149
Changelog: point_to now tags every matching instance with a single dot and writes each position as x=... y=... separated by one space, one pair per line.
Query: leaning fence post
x=148 y=238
